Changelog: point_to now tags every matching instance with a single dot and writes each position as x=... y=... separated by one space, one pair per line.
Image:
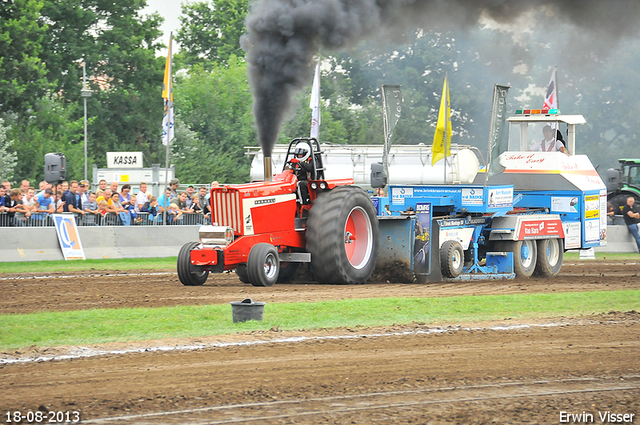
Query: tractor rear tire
x=242 y=273
x=550 y=256
x=189 y=274
x=524 y=255
x=263 y=265
x=342 y=236
x=451 y=259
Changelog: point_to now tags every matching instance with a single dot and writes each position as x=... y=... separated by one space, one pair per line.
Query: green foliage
x=210 y=32
x=7 y=158
x=52 y=127
x=22 y=71
x=215 y=105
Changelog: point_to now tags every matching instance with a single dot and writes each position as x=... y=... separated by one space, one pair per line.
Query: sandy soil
x=397 y=375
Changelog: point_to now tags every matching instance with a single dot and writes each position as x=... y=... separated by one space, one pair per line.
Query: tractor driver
x=302 y=166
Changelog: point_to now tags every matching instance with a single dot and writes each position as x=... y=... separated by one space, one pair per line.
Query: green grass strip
x=83 y=265
x=170 y=263
x=108 y=325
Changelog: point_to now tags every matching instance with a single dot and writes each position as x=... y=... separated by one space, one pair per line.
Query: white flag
x=551 y=100
x=167 y=123
x=314 y=104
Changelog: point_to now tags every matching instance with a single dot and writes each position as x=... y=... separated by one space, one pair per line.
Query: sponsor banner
x=540 y=228
x=68 y=236
x=577 y=169
x=472 y=196
x=422 y=241
x=591 y=206
x=592 y=231
x=462 y=235
x=572 y=235
x=497 y=139
x=603 y=218
x=452 y=222
x=501 y=198
x=564 y=204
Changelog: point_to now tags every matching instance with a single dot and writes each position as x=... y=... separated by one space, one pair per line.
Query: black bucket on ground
x=246 y=309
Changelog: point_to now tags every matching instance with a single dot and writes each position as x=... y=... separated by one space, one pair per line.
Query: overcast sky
x=170 y=11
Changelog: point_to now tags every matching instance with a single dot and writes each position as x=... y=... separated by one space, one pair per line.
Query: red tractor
x=265 y=230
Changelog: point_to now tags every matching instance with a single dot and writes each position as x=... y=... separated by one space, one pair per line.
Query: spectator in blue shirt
x=71 y=201
x=44 y=201
x=164 y=200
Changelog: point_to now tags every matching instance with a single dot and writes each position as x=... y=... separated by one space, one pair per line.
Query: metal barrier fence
x=42 y=219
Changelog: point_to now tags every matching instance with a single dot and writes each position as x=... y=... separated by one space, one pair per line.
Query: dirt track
x=154 y=288
x=403 y=375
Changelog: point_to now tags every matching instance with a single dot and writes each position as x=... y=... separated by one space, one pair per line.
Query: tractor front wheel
x=263 y=265
x=189 y=274
x=342 y=236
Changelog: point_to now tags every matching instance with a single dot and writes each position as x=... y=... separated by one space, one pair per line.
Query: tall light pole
x=85 y=93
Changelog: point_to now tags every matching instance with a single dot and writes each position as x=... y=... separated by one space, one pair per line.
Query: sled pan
x=246 y=310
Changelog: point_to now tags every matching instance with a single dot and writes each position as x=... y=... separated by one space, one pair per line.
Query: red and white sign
x=534 y=229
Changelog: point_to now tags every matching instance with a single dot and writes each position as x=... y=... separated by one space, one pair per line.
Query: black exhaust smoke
x=284 y=35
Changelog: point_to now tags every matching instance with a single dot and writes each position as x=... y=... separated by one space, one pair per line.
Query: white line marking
x=87 y=275
x=539 y=392
x=84 y=352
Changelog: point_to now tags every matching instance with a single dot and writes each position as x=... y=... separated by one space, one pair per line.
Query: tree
x=210 y=32
x=22 y=71
x=119 y=47
x=215 y=105
x=54 y=126
x=8 y=159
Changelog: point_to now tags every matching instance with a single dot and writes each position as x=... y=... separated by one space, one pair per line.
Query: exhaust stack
x=267 y=169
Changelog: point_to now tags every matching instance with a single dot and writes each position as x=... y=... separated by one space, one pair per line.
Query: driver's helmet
x=301 y=151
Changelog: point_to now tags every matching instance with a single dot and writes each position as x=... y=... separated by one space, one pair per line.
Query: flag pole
x=170 y=120
x=446 y=122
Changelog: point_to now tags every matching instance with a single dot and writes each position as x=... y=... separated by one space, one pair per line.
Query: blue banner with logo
x=422 y=243
x=68 y=236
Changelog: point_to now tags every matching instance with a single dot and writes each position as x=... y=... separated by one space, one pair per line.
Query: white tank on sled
x=408 y=164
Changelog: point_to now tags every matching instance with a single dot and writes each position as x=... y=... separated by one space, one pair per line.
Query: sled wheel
x=550 y=256
x=242 y=273
x=524 y=255
x=263 y=265
x=342 y=236
x=451 y=258
x=189 y=274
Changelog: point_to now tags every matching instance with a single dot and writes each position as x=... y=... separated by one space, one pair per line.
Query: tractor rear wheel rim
x=358 y=240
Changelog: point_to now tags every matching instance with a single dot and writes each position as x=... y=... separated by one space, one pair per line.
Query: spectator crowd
x=111 y=205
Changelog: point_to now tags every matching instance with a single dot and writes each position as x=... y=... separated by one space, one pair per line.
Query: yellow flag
x=167 y=74
x=442 y=139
